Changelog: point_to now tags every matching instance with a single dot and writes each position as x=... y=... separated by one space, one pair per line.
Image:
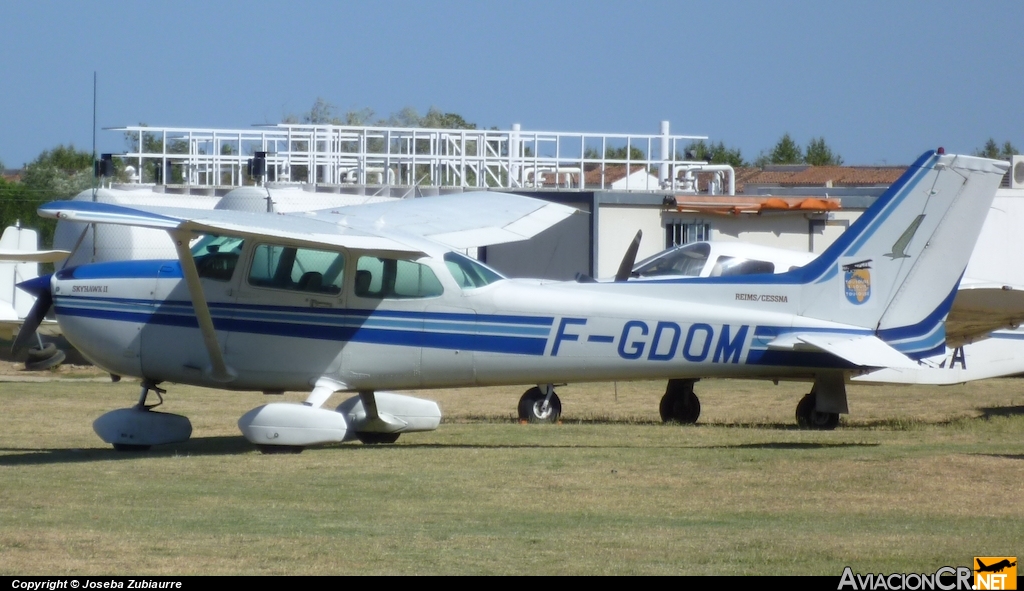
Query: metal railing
x=470 y=158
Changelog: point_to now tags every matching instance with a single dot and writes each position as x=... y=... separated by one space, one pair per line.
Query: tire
x=369 y=438
x=531 y=403
x=38 y=354
x=48 y=363
x=679 y=405
x=808 y=417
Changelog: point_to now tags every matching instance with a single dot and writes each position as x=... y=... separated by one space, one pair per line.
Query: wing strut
x=218 y=369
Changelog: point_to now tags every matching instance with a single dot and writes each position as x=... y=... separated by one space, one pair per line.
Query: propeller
x=40 y=288
x=626 y=266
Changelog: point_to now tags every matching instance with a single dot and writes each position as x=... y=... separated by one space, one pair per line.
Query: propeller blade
x=39 y=287
x=626 y=266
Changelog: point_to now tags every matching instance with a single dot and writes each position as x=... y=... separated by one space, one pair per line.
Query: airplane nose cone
x=37 y=286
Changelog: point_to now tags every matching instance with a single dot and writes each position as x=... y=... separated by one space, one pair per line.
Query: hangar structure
x=621 y=182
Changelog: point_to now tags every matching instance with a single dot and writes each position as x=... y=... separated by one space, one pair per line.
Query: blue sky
x=881 y=81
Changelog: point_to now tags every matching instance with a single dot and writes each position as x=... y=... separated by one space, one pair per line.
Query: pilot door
x=172 y=345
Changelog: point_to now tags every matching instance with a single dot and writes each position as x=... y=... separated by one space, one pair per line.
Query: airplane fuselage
x=136 y=319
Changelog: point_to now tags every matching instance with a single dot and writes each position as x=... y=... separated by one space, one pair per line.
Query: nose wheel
x=538 y=406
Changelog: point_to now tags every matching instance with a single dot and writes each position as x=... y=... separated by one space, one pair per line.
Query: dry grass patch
x=916 y=479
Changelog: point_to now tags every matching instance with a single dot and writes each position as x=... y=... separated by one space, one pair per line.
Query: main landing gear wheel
x=808 y=417
x=679 y=404
x=531 y=407
x=369 y=438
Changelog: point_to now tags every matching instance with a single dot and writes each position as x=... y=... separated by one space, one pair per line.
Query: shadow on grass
x=198 y=446
x=225 y=446
x=1019 y=457
x=1001 y=411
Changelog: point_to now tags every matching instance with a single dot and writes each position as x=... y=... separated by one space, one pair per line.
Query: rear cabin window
x=727 y=266
x=683 y=261
x=469 y=273
x=395 y=279
x=297 y=269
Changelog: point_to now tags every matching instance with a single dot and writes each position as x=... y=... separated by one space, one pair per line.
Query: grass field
x=914 y=479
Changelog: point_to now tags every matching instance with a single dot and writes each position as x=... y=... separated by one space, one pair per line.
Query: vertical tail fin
x=896 y=269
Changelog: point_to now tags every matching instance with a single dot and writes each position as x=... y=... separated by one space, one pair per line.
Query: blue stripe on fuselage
x=517 y=334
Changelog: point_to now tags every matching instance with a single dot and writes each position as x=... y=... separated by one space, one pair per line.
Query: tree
x=992 y=150
x=786 y=151
x=59 y=173
x=619 y=153
x=437 y=120
x=714 y=153
x=819 y=154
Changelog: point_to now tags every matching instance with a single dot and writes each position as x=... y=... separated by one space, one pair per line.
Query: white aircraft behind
x=373 y=298
x=19 y=261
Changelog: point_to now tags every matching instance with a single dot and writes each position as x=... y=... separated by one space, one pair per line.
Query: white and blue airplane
x=375 y=298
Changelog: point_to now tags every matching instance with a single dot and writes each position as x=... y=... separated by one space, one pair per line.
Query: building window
x=677 y=233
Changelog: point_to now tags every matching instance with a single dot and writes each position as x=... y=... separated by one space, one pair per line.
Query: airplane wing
x=463 y=220
x=296 y=229
x=980 y=308
x=859 y=349
x=458 y=221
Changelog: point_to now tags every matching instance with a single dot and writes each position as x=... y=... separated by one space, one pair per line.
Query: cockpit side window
x=217 y=256
x=468 y=273
x=385 y=278
x=297 y=269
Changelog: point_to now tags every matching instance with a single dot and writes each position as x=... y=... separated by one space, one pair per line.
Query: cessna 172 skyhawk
x=375 y=297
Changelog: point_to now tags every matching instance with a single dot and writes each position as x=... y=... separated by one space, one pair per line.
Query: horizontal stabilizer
x=980 y=308
x=859 y=349
x=33 y=256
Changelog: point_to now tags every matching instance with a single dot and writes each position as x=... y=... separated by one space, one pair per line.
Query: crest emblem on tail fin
x=858 y=281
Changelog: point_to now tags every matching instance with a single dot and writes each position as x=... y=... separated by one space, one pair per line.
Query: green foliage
x=19 y=202
x=714 y=153
x=59 y=173
x=787 y=151
x=619 y=153
x=325 y=113
x=819 y=154
x=992 y=150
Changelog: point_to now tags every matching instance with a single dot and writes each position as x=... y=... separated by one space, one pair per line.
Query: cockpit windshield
x=217 y=256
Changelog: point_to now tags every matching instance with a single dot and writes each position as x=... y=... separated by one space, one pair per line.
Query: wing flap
x=465 y=220
x=859 y=349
